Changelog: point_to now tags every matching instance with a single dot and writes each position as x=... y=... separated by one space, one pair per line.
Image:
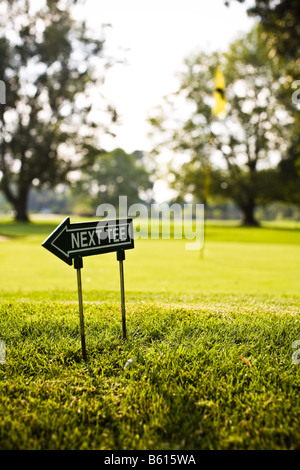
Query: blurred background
x=109 y=98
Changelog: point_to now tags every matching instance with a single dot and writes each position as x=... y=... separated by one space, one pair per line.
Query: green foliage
x=241 y=149
x=48 y=65
x=113 y=174
x=281 y=20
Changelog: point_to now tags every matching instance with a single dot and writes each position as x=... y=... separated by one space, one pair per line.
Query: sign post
x=120 y=258
x=73 y=241
x=78 y=264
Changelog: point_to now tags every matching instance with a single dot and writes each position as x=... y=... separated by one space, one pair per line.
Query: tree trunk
x=249 y=219
x=19 y=201
x=20 y=205
x=21 y=214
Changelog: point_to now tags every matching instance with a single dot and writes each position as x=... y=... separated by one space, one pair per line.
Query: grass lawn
x=211 y=340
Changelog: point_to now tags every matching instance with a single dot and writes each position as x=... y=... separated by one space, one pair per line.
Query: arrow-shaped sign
x=68 y=240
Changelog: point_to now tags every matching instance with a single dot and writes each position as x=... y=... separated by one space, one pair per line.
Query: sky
x=151 y=39
x=154 y=37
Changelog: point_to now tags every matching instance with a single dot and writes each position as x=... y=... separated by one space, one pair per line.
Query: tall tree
x=49 y=63
x=253 y=136
x=113 y=174
x=280 y=20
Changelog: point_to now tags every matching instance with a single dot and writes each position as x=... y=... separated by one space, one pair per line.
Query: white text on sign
x=89 y=238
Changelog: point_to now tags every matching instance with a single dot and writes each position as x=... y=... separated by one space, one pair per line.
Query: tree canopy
x=245 y=148
x=112 y=174
x=281 y=19
x=51 y=65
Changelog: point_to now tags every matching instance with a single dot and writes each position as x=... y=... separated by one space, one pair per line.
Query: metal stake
x=78 y=265
x=120 y=258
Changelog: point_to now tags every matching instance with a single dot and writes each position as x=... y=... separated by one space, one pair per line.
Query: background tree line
x=51 y=124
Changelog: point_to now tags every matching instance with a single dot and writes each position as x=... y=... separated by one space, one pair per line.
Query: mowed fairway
x=215 y=365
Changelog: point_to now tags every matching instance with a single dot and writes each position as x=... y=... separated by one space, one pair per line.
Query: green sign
x=69 y=241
